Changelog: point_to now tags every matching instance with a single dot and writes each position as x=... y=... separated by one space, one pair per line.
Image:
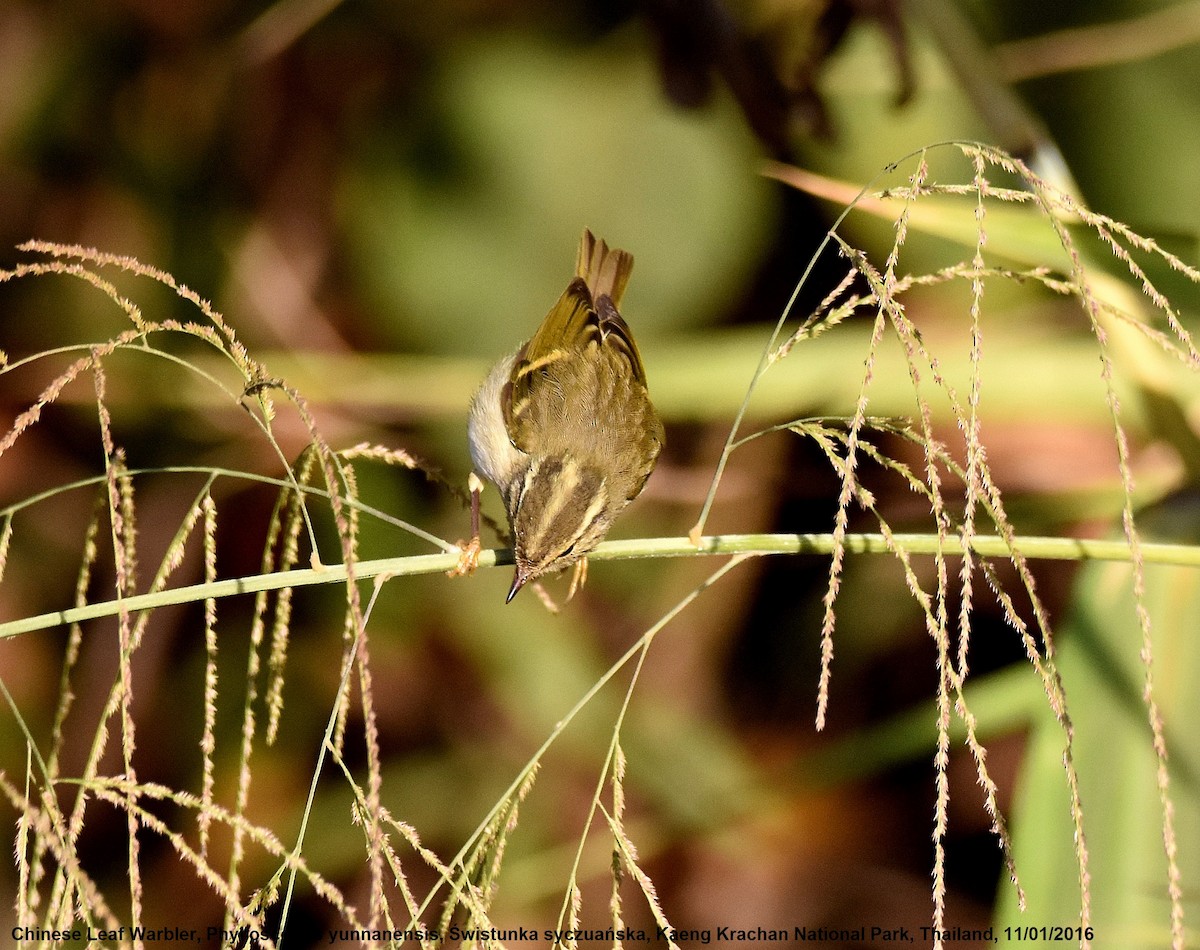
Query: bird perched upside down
x=564 y=427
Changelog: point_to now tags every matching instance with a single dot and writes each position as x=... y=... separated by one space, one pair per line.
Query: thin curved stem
x=1033 y=548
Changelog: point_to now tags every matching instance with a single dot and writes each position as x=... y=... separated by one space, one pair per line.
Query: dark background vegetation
x=382 y=197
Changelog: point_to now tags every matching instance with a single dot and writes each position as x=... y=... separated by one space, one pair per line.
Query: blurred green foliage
x=383 y=197
x=469 y=237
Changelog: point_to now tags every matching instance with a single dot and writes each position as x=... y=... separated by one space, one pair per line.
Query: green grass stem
x=1034 y=548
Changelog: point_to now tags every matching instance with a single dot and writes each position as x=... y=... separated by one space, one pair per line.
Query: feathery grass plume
x=446 y=873
x=367 y=809
x=1051 y=200
x=883 y=288
x=474 y=887
x=382 y=453
x=5 y=539
x=208 y=737
x=1053 y=204
x=173 y=557
x=614 y=762
x=348 y=632
x=825 y=317
x=46 y=397
x=295 y=517
x=66 y=694
x=120 y=510
x=935 y=612
x=618 y=819
x=255 y=391
x=950 y=680
x=376 y=841
x=26 y=896
x=121 y=518
x=629 y=858
x=355 y=631
x=826 y=436
x=114 y=789
x=153 y=824
x=102 y=259
x=391 y=858
x=1100 y=297
x=935 y=622
x=575 y=909
x=171 y=561
x=972 y=426
x=249 y=714
x=43 y=816
x=71 y=261
x=272 y=559
x=343 y=495
x=340 y=487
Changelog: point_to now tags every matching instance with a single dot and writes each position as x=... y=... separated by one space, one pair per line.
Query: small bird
x=564 y=426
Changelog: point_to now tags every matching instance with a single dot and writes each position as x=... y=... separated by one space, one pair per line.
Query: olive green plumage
x=564 y=427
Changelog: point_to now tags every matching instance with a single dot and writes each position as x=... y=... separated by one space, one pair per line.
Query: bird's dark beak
x=519 y=579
